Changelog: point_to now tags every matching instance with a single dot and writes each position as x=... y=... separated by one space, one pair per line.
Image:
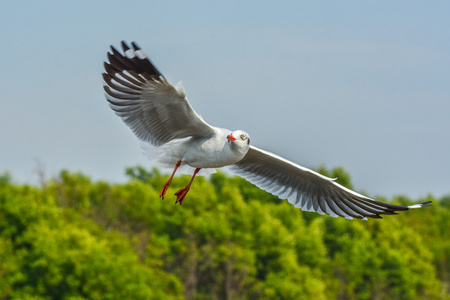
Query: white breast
x=215 y=152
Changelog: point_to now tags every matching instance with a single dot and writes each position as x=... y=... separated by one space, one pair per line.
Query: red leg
x=182 y=193
x=166 y=186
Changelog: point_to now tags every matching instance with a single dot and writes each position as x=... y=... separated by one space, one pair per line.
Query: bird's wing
x=308 y=190
x=156 y=111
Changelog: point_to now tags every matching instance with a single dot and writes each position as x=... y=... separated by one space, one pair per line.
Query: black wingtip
x=137 y=62
x=376 y=216
x=109 y=68
x=125 y=46
x=109 y=55
x=114 y=50
x=426 y=204
x=135 y=46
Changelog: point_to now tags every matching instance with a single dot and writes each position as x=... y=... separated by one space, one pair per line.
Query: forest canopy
x=74 y=238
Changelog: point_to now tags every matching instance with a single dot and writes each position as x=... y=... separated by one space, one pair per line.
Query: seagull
x=160 y=115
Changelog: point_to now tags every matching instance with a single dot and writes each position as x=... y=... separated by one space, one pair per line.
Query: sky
x=354 y=84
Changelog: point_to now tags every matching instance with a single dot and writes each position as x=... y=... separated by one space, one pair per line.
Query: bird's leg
x=182 y=193
x=166 y=186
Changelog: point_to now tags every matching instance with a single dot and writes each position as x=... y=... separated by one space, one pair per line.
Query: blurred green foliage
x=77 y=239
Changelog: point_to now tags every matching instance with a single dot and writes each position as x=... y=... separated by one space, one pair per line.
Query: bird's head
x=239 y=139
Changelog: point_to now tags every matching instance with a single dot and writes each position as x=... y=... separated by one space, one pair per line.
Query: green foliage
x=50 y=251
x=5 y=178
x=74 y=238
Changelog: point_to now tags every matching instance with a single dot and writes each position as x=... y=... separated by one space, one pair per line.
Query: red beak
x=231 y=138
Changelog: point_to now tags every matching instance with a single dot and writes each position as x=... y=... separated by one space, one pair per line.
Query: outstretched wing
x=308 y=190
x=156 y=111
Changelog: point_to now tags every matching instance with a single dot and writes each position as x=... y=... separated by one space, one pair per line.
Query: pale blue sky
x=362 y=85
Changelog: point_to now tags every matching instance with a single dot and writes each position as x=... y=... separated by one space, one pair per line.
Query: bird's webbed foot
x=164 y=189
x=181 y=194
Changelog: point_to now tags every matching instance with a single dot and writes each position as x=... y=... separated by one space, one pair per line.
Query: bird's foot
x=181 y=194
x=164 y=189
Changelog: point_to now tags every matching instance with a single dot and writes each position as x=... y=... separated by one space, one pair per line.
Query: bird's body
x=212 y=152
x=160 y=115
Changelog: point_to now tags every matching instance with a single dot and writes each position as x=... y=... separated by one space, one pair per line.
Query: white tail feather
x=155 y=153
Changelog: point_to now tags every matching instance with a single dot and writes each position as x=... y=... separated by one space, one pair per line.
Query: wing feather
x=156 y=111
x=309 y=190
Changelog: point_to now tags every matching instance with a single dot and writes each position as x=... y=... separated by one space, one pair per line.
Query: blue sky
x=361 y=85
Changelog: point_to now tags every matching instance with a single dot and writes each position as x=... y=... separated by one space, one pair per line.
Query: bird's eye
x=243 y=137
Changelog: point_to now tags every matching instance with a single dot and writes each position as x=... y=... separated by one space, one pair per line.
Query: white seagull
x=160 y=115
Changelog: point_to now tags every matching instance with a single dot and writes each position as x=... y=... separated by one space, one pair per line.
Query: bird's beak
x=230 y=138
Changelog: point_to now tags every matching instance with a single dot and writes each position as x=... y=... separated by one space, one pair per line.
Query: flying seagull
x=160 y=115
